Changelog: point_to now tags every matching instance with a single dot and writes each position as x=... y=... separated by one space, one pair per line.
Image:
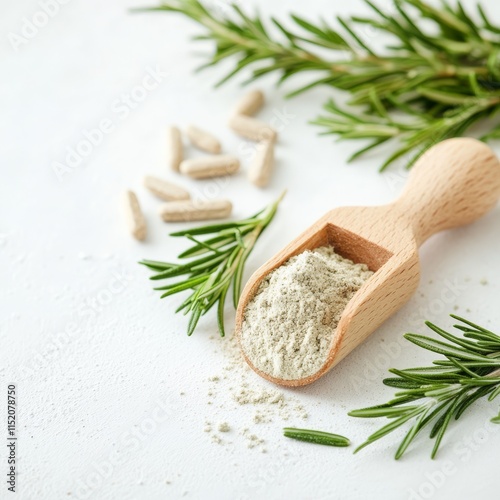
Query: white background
x=64 y=240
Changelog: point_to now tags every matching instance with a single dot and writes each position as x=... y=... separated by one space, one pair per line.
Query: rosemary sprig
x=317 y=437
x=214 y=263
x=435 y=395
x=432 y=81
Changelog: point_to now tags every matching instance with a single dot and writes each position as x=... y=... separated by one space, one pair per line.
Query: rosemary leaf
x=317 y=437
x=211 y=265
x=435 y=395
x=441 y=392
x=437 y=76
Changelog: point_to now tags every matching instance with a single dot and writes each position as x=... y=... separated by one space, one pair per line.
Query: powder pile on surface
x=236 y=386
x=224 y=427
x=289 y=325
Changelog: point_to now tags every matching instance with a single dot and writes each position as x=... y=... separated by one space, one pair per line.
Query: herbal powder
x=289 y=324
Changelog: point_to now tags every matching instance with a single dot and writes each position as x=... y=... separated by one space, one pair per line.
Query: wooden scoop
x=454 y=183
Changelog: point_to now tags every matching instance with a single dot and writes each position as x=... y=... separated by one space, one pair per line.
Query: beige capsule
x=135 y=217
x=251 y=128
x=165 y=190
x=210 y=166
x=263 y=164
x=203 y=140
x=185 y=211
x=250 y=104
x=174 y=148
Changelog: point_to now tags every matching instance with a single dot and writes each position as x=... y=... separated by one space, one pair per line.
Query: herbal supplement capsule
x=174 y=148
x=262 y=167
x=210 y=166
x=136 y=221
x=165 y=190
x=250 y=103
x=203 y=140
x=185 y=211
x=251 y=128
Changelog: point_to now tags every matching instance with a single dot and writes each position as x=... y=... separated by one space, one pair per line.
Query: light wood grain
x=453 y=184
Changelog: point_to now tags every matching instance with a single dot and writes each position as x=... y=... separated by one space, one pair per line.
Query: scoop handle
x=452 y=184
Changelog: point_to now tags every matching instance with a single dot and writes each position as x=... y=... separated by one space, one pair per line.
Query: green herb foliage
x=317 y=437
x=437 y=75
x=433 y=396
x=214 y=262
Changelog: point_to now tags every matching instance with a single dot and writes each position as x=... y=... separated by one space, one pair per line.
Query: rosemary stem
x=421 y=83
x=211 y=265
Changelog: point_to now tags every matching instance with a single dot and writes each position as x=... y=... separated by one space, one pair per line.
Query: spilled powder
x=224 y=427
x=290 y=323
x=235 y=386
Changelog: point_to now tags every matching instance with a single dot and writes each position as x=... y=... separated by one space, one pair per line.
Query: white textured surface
x=98 y=393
